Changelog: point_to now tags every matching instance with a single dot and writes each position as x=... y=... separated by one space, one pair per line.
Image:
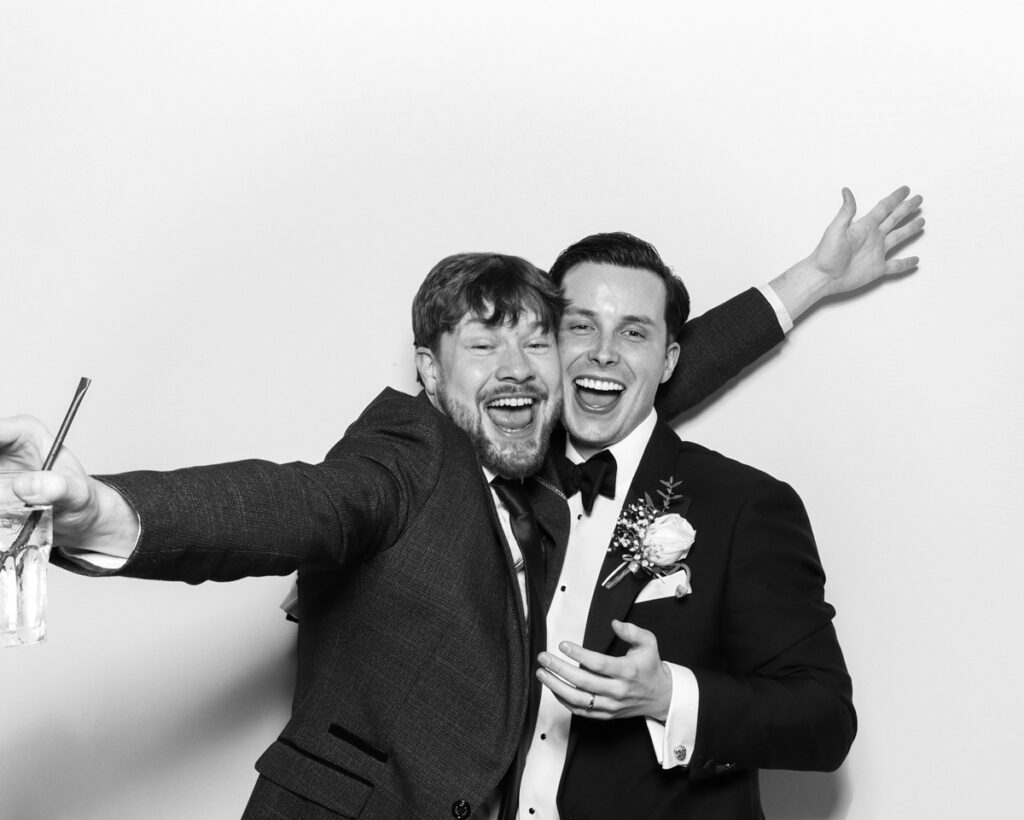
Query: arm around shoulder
x=715 y=347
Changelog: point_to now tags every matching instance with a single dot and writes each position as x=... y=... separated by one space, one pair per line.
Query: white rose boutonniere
x=668 y=540
x=653 y=540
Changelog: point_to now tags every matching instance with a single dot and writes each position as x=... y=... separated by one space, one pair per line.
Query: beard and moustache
x=513 y=458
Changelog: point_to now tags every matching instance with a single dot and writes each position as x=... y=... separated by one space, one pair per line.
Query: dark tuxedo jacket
x=412 y=648
x=757 y=633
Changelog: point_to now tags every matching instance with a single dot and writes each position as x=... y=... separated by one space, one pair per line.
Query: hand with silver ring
x=636 y=684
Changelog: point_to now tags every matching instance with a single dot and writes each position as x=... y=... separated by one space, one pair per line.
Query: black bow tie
x=594 y=477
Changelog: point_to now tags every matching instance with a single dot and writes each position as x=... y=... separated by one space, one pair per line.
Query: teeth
x=599 y=384
x=512 y=401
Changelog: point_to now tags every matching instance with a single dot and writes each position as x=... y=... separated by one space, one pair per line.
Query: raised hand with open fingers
x=853 y=253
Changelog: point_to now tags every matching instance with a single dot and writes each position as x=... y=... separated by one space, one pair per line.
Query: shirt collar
x=627 y=452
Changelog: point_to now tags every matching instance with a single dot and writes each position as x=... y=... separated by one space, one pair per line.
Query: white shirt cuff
x=92 y=559
x=785 y=321
x=112 y=557
x=674 y=739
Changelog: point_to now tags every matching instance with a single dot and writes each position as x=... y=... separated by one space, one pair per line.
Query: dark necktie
x=527 y=533
x=594 y=477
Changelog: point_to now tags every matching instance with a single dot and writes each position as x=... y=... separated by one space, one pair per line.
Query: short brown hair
x=627 y=251
x=491 y=286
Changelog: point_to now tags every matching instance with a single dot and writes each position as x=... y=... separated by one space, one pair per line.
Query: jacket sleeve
x=228 y=521
x=715 y=347
x=785 y=698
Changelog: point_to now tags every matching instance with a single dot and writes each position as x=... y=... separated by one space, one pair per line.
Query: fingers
x=893 y=266
x=573 y=675
x=608 y=687
x=886 y=206
x=900 y=235
x=594 y=661
x=900 y=213
x=578 y=701
x=24 y=441
x=591 y=666
x=587 y=698
x=581 y=690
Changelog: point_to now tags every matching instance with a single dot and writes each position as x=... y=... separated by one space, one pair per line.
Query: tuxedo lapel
x=658 y=463
x=609 y=604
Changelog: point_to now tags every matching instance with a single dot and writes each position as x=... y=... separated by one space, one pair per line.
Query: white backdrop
x=220 y=212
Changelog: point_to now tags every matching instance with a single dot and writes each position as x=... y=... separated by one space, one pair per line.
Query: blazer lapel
x=658 y=463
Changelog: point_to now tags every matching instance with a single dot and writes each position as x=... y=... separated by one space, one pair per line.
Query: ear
x=671 y=358
x=427 y=366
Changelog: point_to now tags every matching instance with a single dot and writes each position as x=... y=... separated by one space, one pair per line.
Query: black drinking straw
x=30 y=525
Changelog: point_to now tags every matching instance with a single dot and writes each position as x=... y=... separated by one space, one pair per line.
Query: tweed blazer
x=412 y=650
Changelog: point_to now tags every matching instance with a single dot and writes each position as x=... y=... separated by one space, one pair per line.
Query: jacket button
x=461 y=810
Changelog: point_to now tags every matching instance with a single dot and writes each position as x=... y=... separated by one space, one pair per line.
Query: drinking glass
x=22 y=567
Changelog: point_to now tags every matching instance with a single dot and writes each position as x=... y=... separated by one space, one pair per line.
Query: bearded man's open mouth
x=512 y=414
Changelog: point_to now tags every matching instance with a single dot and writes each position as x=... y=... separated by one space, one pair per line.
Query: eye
x=539 y=344
x=577 y=326
x=633 y=333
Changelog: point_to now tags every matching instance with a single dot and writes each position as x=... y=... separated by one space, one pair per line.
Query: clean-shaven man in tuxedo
x=414 y=656
x=691 y=595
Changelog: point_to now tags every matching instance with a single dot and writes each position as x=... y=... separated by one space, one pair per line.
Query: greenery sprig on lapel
x=668 y=495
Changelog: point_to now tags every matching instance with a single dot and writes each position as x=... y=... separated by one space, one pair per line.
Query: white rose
x=668 y=540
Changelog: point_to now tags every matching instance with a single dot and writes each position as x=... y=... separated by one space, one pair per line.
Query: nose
x=605 y=350
x=513 y=365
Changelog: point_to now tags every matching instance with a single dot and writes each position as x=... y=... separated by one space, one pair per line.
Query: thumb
x=635 y=636
x=64 y=493
x=846 y=212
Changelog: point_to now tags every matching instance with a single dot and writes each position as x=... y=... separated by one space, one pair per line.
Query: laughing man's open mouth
x=597 y=395
x=511 y=414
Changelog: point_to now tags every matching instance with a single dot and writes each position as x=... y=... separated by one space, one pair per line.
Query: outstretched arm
x=227 y=521
x=851 y=254
x=86 y=513
x=715 y=347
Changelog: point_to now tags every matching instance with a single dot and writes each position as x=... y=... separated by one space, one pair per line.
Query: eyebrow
x=483 y=324
x=631 y=319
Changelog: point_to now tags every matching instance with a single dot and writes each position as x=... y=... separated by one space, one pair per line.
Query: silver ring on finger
x=590 y=705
